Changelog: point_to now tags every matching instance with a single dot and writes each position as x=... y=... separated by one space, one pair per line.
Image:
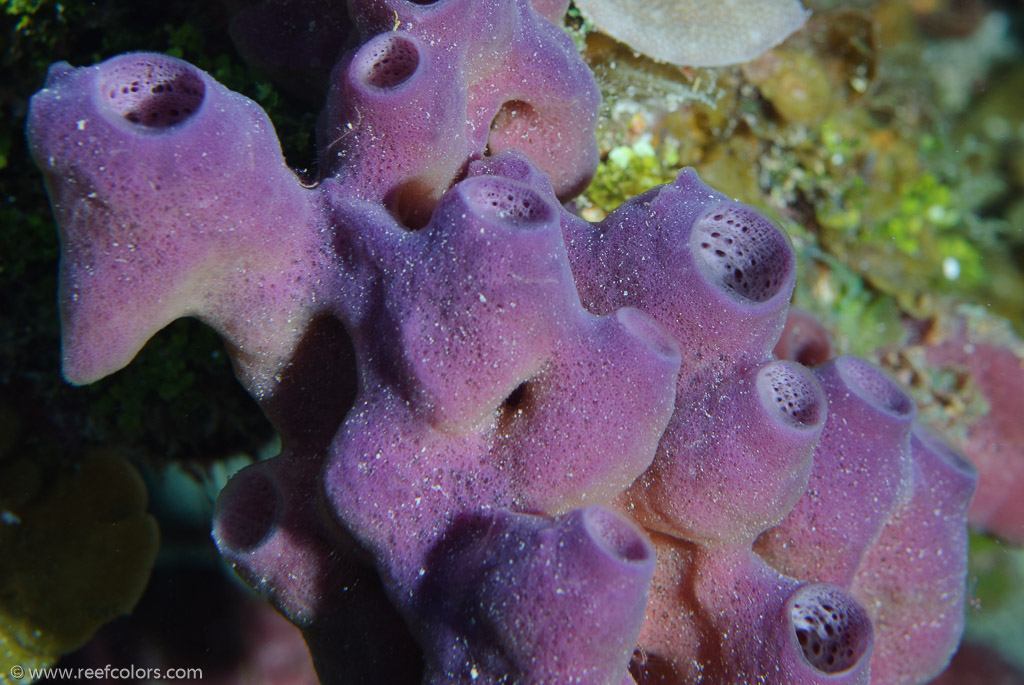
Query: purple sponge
x=729 y=475
x=392 y=135
x=465 y=375
x=861 y=476
x=712 y=271
x=153 y=168
x=720 y=614
x=912 y=580
x=588 y=574
x=489 y=341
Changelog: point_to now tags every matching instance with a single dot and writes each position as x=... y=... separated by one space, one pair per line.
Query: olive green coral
x=76 y=550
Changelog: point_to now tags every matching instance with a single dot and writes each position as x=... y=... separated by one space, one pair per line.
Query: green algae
x=76 y=550
x=627 y=172
x=995 y=576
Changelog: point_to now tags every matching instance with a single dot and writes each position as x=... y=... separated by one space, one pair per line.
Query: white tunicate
x=697 y=33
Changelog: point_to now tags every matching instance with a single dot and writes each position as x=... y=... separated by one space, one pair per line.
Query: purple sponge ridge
x=592 y=568
x=861 y=474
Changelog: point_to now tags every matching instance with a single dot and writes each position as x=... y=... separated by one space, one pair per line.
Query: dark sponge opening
x=152 y=91
x=507 y=201
x=615 y=535
x=387 y=61
x=247 y=510
x=518 y=121
x=834 y=632
x=793 y=392
x=742 y=251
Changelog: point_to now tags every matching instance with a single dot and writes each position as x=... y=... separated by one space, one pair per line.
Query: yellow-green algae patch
x=76 y=551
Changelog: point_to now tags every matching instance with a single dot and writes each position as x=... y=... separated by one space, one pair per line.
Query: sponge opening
x=833 y=631
x=387 y=61
x=742 y=252
x=618 y=537
x=152 y=91
x=792 y=393
x=247 y=511
x=508 y=202
x=871 y=384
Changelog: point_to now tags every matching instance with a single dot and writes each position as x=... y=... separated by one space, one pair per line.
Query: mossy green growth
x=993 y=575
x=25 y=11
x=861 y=318
x=166 y=374
x=578 y=27
x=628 y=171
x=886 y=206
x=926 y=222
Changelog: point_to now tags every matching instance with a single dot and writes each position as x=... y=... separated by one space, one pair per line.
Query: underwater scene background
x=886 y=138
